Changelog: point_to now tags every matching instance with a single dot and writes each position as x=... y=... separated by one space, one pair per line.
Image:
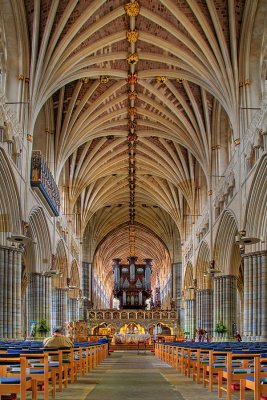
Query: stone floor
x=132 y=376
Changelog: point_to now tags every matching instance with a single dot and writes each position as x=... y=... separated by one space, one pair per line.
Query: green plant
x=42 y=327
x=220 y=327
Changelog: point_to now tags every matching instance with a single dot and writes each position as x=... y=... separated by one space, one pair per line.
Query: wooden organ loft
x=132 y=283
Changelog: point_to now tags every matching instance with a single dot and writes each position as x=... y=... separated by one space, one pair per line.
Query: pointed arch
x=256 y=211
x=202 y=265
x=74 y=279
x=188 y=276
x=61 y=265
x=10 y=212
x=226 y=251
x=38 y=253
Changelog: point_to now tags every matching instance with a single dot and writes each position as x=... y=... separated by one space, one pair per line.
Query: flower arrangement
x=220 y=327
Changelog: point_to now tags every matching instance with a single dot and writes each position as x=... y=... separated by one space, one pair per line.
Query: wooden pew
x=215 y=365
x=232 y=374
x=18 y=385
x=257 y=383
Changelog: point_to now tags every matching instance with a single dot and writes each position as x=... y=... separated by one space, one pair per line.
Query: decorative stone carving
x=132 y=9
x=132 y=36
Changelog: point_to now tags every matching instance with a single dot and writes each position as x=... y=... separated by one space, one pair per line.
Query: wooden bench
x=18 y=385
x=257 y=383
x=233 y=373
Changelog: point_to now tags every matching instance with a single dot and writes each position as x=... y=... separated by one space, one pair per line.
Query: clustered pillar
x=73 y=309
x=255 y=296
x=38 y=297
x=59 y=307
x=204 y=310
x=224 y=298
x=190 y=313
x=10 y=293
x=86 y=288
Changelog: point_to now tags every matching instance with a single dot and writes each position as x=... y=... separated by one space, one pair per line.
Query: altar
x=131 y=338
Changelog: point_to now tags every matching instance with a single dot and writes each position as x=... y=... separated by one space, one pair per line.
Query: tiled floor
x=132 y=376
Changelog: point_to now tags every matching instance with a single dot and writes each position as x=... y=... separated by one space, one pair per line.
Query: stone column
x=190 y=312
x=204 y=310
x=10 y=293
x=59 y=307
x=73 y=309
x=38 y=298
x=177 y=289
x=86 y=288
x=255 y=296
x=225 y=290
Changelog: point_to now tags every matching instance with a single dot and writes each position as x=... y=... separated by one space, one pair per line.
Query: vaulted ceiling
x=131 y=92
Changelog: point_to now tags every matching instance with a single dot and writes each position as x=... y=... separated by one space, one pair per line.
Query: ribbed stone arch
x=188 y=277
x=257 y=206
x=10 y=214
x=226 y=251
x=253 y=51
x=61 y=265
x=15 y=33
x=202 y=265
x=38 y=253
x=74 y=279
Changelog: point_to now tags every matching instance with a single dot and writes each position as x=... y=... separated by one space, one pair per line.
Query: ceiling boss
x=132 y=9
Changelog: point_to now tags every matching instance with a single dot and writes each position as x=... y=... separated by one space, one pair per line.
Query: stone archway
x=190 y=302
x=38 y=262
x=10 y=254
x=255 y=258
x=204 y=294
x=227 y=260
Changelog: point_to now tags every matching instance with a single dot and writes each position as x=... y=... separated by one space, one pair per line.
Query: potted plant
x=43 y=327
x=220 y=328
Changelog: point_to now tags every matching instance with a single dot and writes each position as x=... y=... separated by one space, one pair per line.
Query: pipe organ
x=132 y=283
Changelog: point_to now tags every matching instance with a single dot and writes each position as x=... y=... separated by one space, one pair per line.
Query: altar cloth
x=131 y=338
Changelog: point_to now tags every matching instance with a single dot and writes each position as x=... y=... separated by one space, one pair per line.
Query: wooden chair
x=217 y=362
x=257 y=383
x=198 y=365
x=18 y=385
x=233 y=373
x=38 y=369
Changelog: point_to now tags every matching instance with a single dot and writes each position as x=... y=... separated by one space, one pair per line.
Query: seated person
x=58 y=341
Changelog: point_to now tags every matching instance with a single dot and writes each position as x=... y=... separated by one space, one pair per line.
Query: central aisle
x=132 y=376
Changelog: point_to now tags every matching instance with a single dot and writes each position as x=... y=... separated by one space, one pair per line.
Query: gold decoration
x=161 y=79
x=179 y=80
x=133 y=58
x=132 y=125
x=21 y=77
x=237 y=141
x=246 y=82
x=132 y=137
x=132 y=9
x=132 y=111
x=84 y=80
x=132 y=79
x=29 y=137
x=132 y=36
x=132 y=95
x=104 y=79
